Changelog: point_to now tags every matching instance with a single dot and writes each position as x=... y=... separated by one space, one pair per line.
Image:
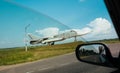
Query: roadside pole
x=26 y=47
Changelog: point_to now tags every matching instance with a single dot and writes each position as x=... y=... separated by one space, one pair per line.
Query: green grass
x=108 y=41
x=18 y=55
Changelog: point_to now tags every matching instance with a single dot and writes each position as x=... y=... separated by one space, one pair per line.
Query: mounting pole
x=75 y=39
x=26 y=47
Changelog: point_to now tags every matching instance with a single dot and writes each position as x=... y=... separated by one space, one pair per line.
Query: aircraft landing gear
x=51 y=43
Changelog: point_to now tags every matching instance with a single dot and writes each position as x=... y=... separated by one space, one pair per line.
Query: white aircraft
x=55 y=38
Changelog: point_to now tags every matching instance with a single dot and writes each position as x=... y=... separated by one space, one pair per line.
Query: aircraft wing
x=52 y=40
x=82 y=32
x=35 y=39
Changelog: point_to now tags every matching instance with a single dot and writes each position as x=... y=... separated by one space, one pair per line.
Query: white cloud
x=101 y=29
x=100 y=26
x=48 y=32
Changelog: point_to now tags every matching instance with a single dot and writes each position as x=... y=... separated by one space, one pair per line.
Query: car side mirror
x=94 y=53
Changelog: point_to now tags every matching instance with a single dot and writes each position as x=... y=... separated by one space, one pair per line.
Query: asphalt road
x=60 y=64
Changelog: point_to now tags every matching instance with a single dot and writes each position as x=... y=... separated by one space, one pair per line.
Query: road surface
x=59 y=64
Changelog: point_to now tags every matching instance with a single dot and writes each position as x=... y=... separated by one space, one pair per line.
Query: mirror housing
x=95 y=53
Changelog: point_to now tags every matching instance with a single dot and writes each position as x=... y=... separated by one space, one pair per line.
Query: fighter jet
x=55 y=38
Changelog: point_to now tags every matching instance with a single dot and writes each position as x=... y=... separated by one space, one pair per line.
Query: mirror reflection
x=93 y=53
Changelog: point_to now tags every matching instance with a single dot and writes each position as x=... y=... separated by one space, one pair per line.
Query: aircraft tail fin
x=33 y=37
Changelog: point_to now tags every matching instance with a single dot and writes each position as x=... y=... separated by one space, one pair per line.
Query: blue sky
x=15 y=15
x=69 y=12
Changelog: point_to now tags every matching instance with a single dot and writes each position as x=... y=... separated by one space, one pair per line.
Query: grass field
x=108 y=41
x=18 y=55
